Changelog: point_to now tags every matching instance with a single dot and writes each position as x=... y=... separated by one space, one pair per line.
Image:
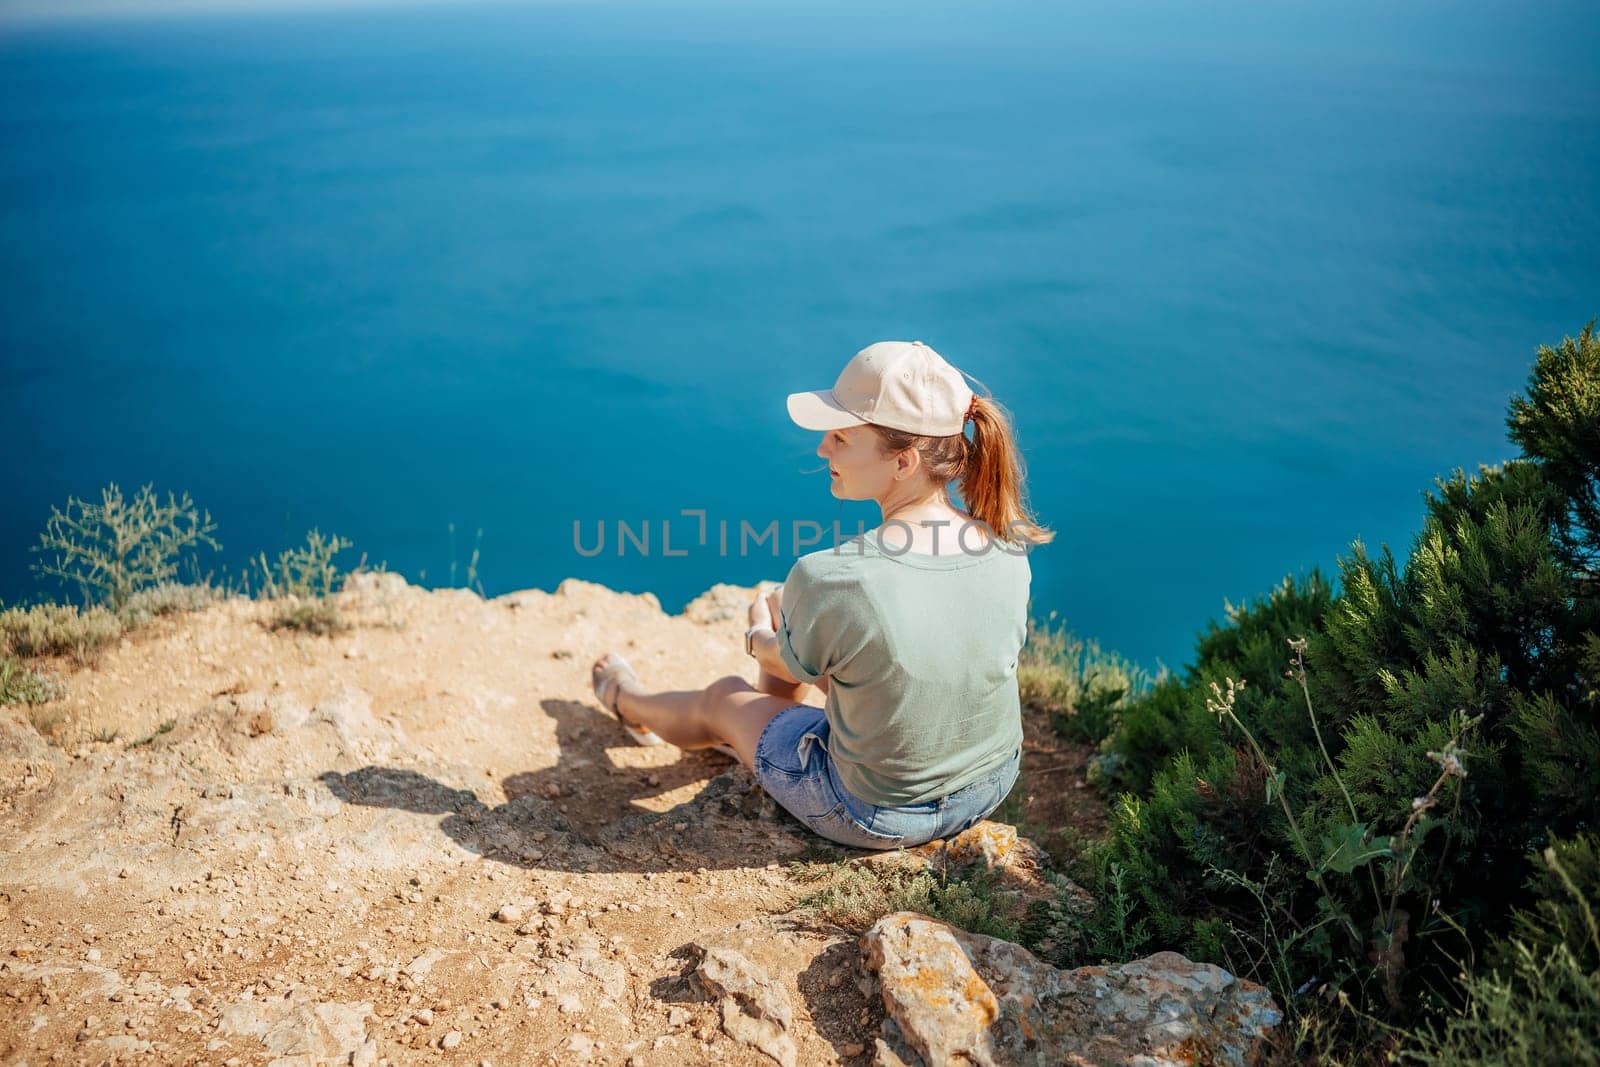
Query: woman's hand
x=765 y=610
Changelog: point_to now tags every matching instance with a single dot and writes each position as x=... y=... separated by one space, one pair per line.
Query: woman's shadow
x=580 y=815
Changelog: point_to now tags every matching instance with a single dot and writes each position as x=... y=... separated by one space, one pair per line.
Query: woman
x=909 y=632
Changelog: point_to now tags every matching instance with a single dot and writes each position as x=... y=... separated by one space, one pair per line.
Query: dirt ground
x=418 y=840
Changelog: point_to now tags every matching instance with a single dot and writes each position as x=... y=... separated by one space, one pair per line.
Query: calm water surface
x=1248 y=277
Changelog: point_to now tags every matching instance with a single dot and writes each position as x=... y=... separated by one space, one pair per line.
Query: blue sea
x=1248 y=276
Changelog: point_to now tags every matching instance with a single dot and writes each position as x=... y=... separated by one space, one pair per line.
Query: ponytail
x=987 y=466
x=993 y=476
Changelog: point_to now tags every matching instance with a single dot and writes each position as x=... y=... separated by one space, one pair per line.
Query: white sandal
x=607 y=689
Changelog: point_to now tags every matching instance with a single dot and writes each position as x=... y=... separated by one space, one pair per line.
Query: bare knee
x=718 y=692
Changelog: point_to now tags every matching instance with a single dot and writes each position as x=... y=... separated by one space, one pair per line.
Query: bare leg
x=794 y=692
x=728 y=711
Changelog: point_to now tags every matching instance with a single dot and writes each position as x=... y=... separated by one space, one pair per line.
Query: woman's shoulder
x=838 y=561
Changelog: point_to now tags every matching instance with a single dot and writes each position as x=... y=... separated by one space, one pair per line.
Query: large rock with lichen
x=957 y=997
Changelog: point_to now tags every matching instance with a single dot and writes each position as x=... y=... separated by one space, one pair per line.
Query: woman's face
x=856 y=470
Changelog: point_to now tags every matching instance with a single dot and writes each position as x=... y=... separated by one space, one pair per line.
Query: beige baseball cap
x=901 y=384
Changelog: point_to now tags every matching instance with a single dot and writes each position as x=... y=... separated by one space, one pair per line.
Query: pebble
x=509 y=913
x=451 y=1040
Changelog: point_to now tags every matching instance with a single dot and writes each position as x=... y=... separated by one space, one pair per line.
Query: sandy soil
x=420 y=840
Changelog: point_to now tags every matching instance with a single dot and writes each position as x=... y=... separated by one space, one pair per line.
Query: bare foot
x=612 y=676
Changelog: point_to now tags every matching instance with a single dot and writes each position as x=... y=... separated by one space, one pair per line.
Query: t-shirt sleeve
x=822 y=626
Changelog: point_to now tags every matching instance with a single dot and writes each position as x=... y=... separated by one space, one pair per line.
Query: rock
x=450 y=1040
x=757 y=967
x=419 y=967
x=887 y=1055
x=375 y=585
x=755 y=1010
x=720 y=603
x=299 y=1030
x=960 y=997
x=123 y=1045
x=509 y=913
x=613 y=977
x=27 y=762
x=930 y=989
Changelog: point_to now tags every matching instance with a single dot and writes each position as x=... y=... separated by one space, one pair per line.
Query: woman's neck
x=917 y=507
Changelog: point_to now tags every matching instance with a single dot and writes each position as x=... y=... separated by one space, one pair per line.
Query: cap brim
x=818 y=410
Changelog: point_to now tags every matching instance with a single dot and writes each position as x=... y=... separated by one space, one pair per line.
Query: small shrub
x=1069 y=931
x=1357 y=825
x=867 y=892
x=1558 y=422
x=1171 y=717
x=1082 y=687
x=116 y=547
x=320 y=617
x=1538 y=1002
x=307 y=572
x=1565 y=888
x=164 y=728
x=166 y=598
x=57 y=630
x=45 y=719
x=21 y=685
x=472 y=581
x=303 y=580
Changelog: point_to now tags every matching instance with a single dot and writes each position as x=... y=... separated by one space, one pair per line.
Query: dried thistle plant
x=116 y=547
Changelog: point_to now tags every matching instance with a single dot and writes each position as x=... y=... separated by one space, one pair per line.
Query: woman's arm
x=765 y=645
x=767 y=611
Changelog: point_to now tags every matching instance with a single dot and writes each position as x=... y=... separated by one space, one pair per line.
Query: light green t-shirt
x=921 y=656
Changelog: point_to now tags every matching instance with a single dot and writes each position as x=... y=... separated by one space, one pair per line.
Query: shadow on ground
x=730 y=822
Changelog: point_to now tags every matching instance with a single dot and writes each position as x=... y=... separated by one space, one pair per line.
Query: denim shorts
x=793 y=766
